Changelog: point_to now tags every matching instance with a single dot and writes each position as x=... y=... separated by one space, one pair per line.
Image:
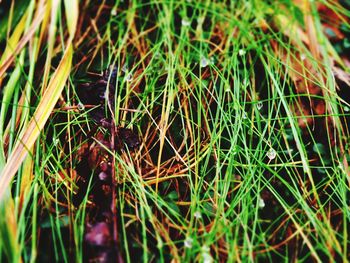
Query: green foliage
x=242 y=120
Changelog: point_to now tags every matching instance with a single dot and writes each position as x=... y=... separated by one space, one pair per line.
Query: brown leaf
x=320 y=108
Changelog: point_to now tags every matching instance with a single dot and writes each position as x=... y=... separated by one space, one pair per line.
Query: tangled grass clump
x=174 y=131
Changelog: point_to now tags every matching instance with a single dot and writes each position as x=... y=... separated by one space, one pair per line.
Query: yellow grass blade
x=27 y=177
x=71 y=7
x=41 y=115
x=13 y=40
x=8 y=230
x=24 y=40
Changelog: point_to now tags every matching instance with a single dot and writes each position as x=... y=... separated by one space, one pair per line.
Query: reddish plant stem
x=114 y=210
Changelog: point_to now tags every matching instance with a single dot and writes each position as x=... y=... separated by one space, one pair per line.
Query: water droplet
x=188 y=242
x=185 y=22
x=125 y=68
x=81 y=106
x=244 y=115
x=197 y=215
x=346 y=109
x=56 y=141
x=206 y=254
x=204 y=62
x=235 y=151
x=259 y=105
x=200 y=19
x=114 y=12
x=207 y=258
x=241 y=52
x=261 y=203
x=271 y=154
x=205 y=249
x=128 y=77
x=103 y=176
x=302 y=56
x=245 y=82
x=103 y=95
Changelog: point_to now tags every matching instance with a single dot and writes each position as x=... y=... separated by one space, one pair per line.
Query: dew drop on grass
x=103 y=95
x=261 y=203
x=271 y=154
x=128 y=77
x=241 y=52
x=235 y=151
x=81 y=106
x=200 y=19
x=188 y=242
x=197 y=215
x=205 y=249
x=259 y=105
x=244 y=115
x=204 y=62
x=103 y=176
x=114 y=12
x=125 y=68
x=245 y=82
x=207 y=258
x=346 y=109
x=185 y=22
x=56 y=141
x=303 y=56
x=157 y=55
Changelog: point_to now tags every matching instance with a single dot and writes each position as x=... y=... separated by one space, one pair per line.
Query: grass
x=241 y=108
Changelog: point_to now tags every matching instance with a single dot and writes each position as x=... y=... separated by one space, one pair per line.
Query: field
x=174 y=131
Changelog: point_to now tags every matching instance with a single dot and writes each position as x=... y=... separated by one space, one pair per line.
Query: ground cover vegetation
x=174 y=131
